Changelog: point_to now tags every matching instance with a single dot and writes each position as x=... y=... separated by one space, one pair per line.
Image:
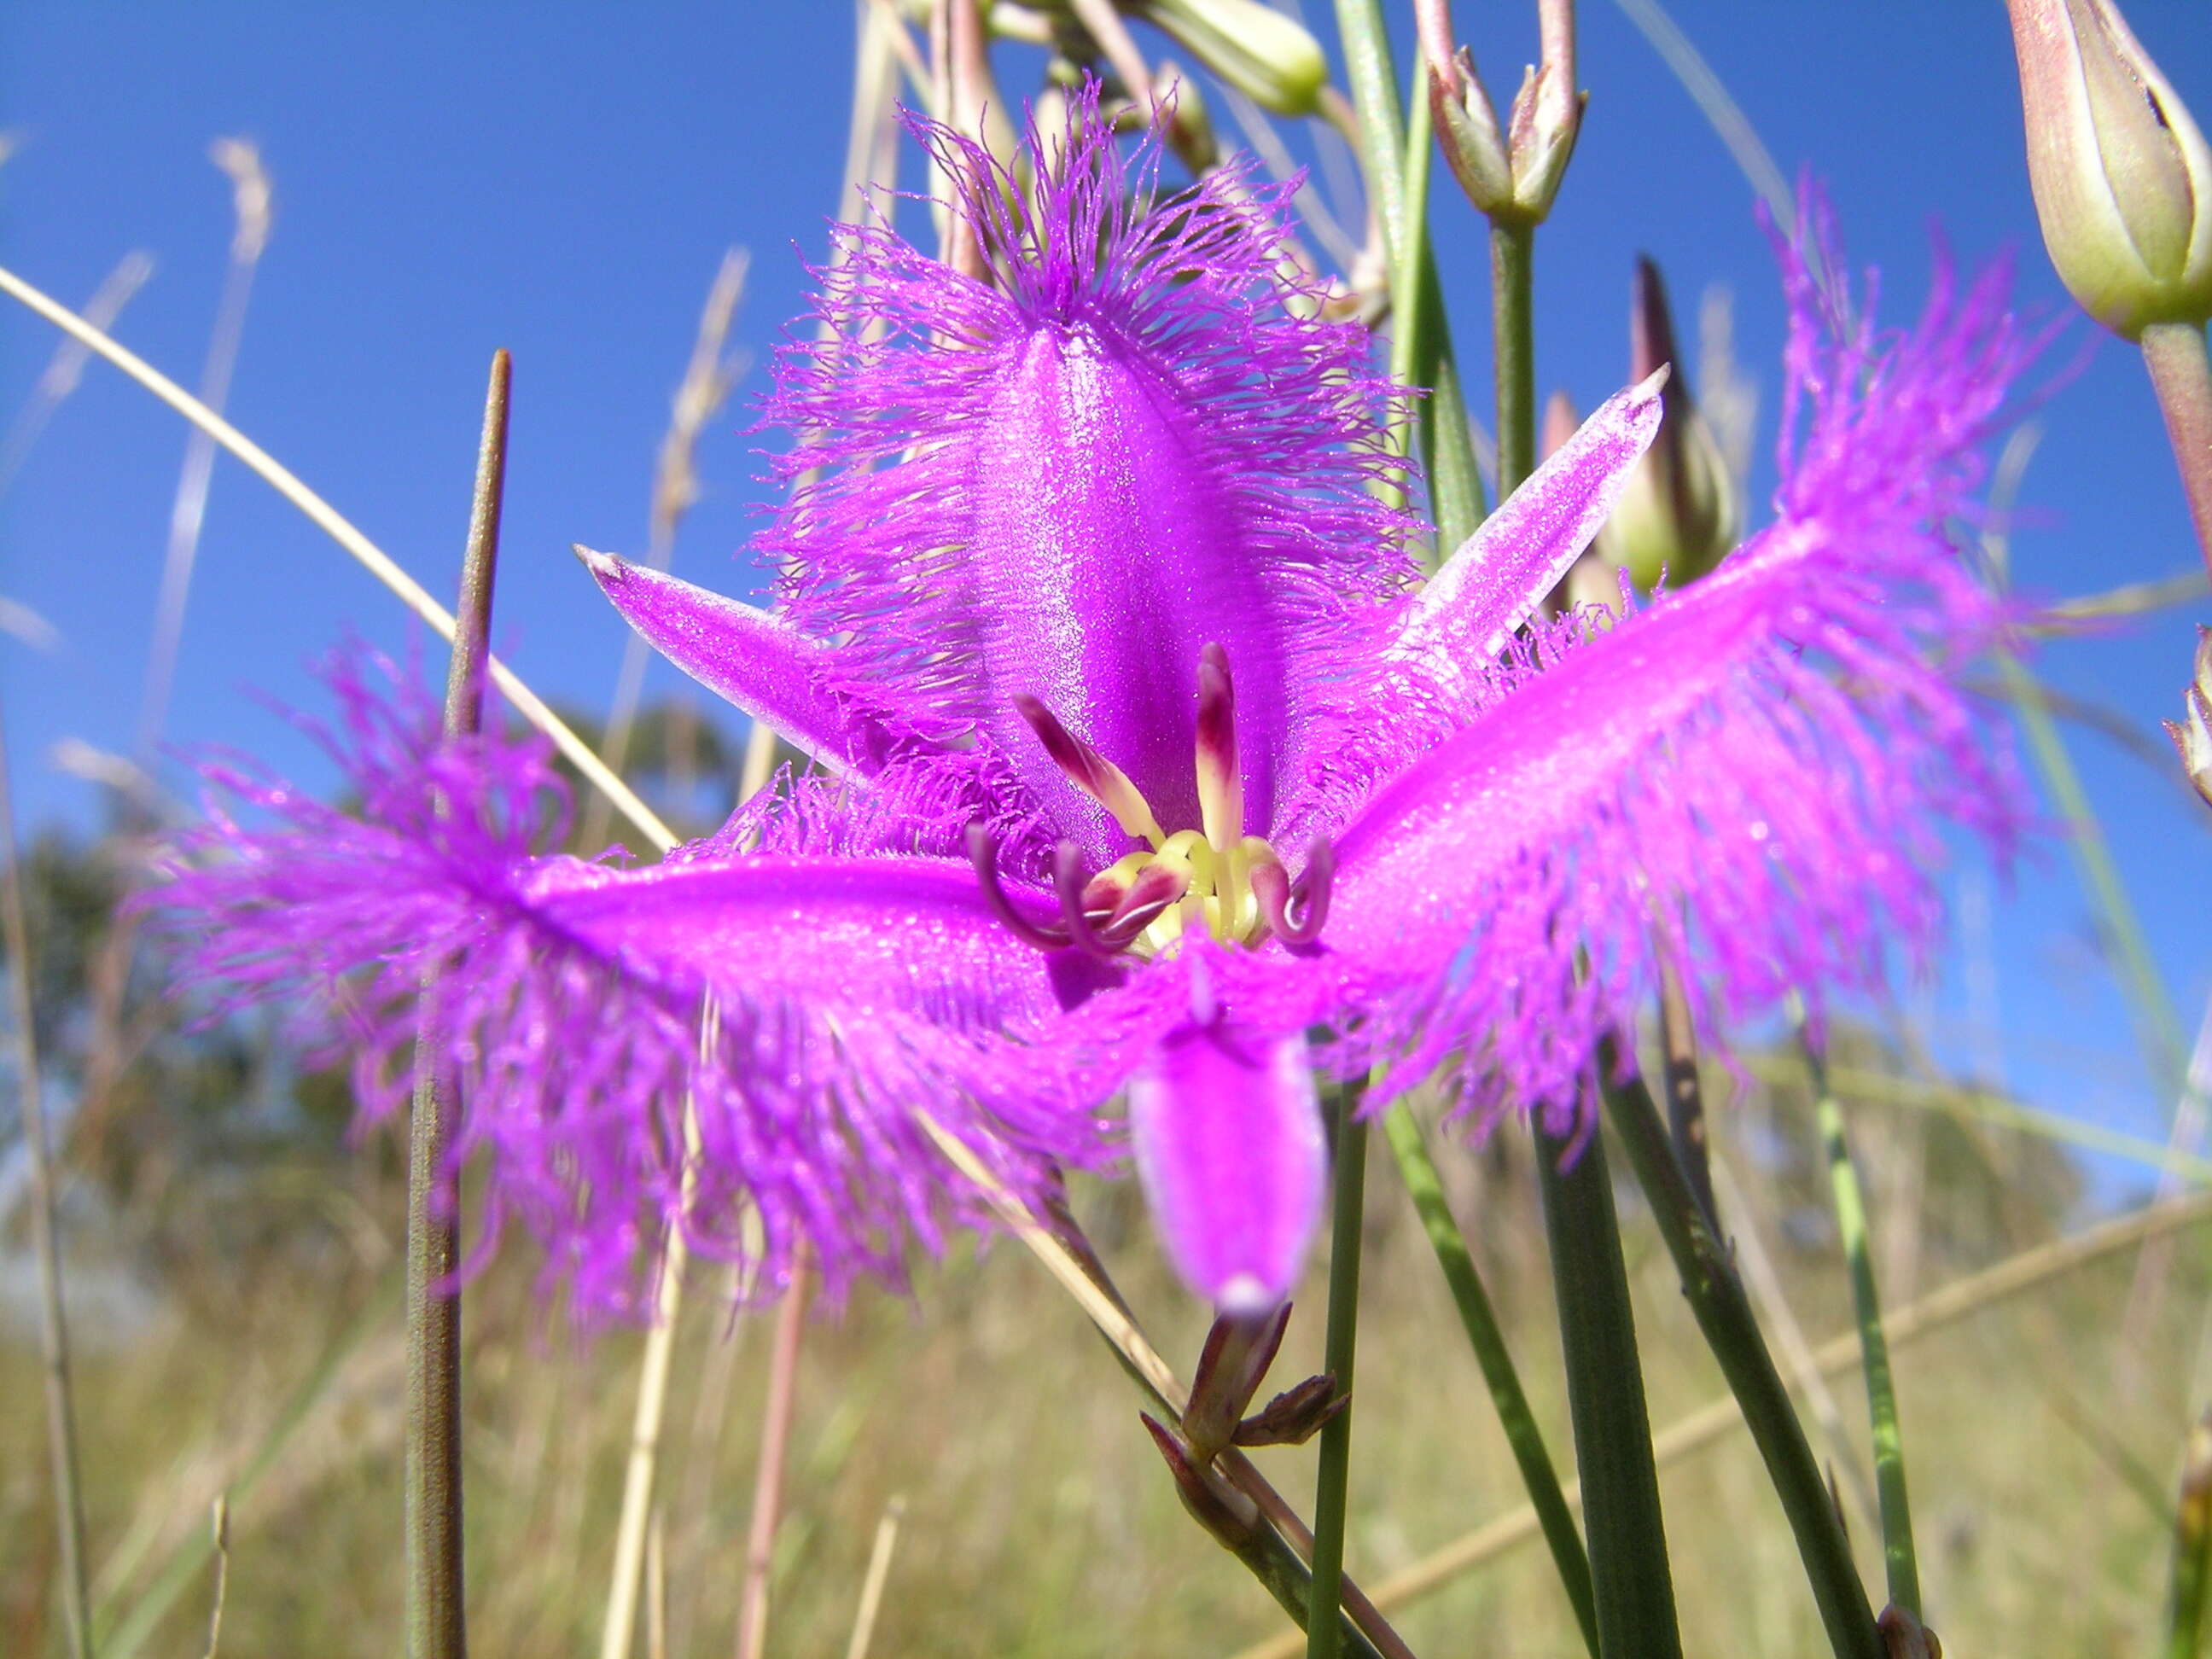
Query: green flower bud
x=1679 y=512
x=1511 y=176
x=2122 y=176
x=1266 y=56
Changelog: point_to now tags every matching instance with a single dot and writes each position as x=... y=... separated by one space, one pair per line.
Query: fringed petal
x=1139 y=442
x=1751 y=776
x=850 y=995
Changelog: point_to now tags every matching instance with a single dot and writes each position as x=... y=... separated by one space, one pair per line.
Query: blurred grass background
x=232 y=1280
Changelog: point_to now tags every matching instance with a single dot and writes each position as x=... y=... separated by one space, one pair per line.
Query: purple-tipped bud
x=1296 y=1415
x=2122 y=178
x=2192 y=736
x=1228 y=1513
x=1679 y=512
x=1267 y=57
x=1238 y=1349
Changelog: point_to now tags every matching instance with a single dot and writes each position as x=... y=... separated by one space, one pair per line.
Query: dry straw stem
x=1713 y=1421
x=251 y=208
x=66 y=368
x=326 y=518
x=639 y=1509
x=219 y=1532
x=872 y=1585
x=53 y=1328
x=708 y=378
x=1858 y=1082
x=775 y=1448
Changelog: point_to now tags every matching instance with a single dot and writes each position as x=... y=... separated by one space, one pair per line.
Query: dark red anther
x=1156 y=888
x=983 y=854
x=1220 y=786
x=1069 y=752
x=1295 y=913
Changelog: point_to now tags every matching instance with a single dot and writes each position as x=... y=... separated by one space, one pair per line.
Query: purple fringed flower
x=1142 y=754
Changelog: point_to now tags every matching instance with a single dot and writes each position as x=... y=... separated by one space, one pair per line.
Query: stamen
x=1091 y=772
x=1220 y=785
x=1295 y=914
x=983 y=854
x=1067 y=879
x=1156 y=886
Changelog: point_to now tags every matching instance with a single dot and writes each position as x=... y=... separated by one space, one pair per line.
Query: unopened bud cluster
x=1511 y=176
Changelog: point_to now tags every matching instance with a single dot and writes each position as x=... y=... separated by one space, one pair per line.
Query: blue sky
x=561 y=179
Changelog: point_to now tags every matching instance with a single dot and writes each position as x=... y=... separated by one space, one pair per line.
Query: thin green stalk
x=1486 y=1336
x=1456 y=491
x=1631 y=1583
x=1723 y=1313
x=54 y=1326
x=1411 y=314
x=2158 y=1028
x=437 y=1620
x=1333 y=1481
x=1513 y=332
x=2192 y=1545
x=2181 y=374
x=1897 y=1554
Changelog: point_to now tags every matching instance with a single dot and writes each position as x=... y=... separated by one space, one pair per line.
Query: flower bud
x=1514 y=175
x=2193 y=737
x=2122 y=176
x=1265 y=55
x=1680 y=513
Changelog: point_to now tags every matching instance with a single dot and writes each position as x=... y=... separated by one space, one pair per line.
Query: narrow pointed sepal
x=748 y=657
x=1226 y=1126
x=1459 y=623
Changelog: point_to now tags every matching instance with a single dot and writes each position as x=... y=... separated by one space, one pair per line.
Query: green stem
x=1456 y=493
x=1333 y=1480
x=2158 y=1028
x=1513 y=330
x=2192 y=1545
x=1488 y=1340
x=1898 y=1553
x=2181 y=374
x=53 y=1325
x=436 y=1621
x=1632 y=1585
x=1723 y=1313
